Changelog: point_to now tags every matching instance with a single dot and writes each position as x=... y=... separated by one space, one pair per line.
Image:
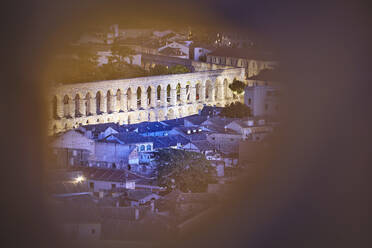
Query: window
x=213 y=138
x=148 y=148
x=142 y=147
x=249 y=101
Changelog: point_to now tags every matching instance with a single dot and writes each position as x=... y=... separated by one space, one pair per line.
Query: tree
x=186 y=171
x=159 y=70
x=236 y=110
x=237 y=87
x=120 y=53
x=178 y=69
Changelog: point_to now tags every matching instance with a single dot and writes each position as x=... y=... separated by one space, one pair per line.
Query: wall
x=74 y=140
x=107 y=185
x=78 y=104
x=225 y=142
x=261 y=102
x=112 y=152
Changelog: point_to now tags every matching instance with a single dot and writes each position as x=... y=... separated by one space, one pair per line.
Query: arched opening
x=118 y=101
x=149 y=95
x=77 y=105
x=208 y=90
x=160 y=115
x=190 y=110
x=216 y=91
x=87 y=104
x=226 y=88
x=170 y=114
x=109 y=102
x=98 y=103
x=152 y=116
x=178 y=90
x=66 y=109
x=188 y=92
x=197 y=89
x=139 y=94
x=54 y=108
x=129 y=99
x=168 y=93
x=158 y=92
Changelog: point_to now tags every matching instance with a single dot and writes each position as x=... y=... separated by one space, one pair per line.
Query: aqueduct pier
x=134 y=100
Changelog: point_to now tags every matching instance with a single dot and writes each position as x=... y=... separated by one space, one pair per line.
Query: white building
x=200 y=51
x=176 y=49
x=262 y=95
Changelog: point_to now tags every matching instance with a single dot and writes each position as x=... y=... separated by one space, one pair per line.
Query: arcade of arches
x=128 y=101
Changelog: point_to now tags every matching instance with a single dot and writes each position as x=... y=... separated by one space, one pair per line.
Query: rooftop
x=104 y=174
x=266 y=75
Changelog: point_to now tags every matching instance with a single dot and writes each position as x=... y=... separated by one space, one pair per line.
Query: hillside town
x=151 y=161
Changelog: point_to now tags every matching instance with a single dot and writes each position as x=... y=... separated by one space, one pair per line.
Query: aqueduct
x=134 y=100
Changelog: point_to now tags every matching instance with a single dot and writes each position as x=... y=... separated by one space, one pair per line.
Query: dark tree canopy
x=236 y=110
x=186 y=171
x=159 y=70
x=237 y=86
x=178 y=69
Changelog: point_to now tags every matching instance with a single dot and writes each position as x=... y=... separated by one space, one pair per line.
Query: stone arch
x=99 y=98
x=178 y=92
x=129 y=99
x=110 y=101
x=197 y=91
x=161 y=116
x=190 y=110
x=168 y=93
x=171 y=114
x=188 y=92
x=119 y=100
x=78 y=98
x=143 y=116
x=152 y=116
x=209 y=90
x=158 y=93
x=139 y=97
x=226 y=88
x=149 y=91
x=88 y=104
x=66 y=106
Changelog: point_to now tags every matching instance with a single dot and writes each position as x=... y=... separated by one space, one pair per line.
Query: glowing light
x=79 y=179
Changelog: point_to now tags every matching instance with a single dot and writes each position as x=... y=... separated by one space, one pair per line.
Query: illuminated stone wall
x=127 y=101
